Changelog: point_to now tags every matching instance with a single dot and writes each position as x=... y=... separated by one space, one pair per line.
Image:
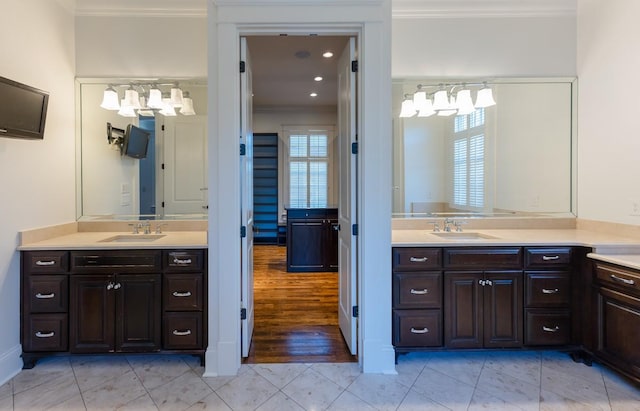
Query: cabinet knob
x=117 y=286
x=110 y=286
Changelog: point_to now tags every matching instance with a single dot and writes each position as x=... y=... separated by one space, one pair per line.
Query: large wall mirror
x=168 y=182
x=515 y=158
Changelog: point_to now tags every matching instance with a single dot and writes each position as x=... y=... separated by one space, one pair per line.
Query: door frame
x=369 y=22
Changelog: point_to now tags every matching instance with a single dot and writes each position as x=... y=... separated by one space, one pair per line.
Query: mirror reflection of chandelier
x=448 y=99
x=147 y=99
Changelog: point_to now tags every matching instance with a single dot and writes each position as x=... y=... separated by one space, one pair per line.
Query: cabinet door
x=138 y=312
x=618 y=330
x=331 y=251
x=305 y=251
x=503 y=310
x=91 y=313
x=463 y=309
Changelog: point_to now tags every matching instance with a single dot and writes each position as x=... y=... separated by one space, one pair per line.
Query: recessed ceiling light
x=318 y=78
x=327 y=54
x=313 y=94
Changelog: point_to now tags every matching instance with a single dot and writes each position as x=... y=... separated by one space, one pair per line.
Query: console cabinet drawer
x=547 y=257
x=47 y=293
x=182 y=292
x=417 y=290
x=622 y=278
x=547 y=288
x=184 y=260
x=45 y=262
x=182 y=331
x=483 y=258
x=547 y=327
x=46 y=332
x=416 y=258
x=417 y=328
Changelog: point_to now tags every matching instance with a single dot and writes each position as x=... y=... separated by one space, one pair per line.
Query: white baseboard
x=10 y=364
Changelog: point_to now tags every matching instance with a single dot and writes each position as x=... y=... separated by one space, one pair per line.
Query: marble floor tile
x=246 y=392
x=568 y=385
x=312 y=390
x=180 y=393
x=343 y=374
x=550 y=401
x=525 y=366
x=280 y=402
x=415 y=401
x=211 y=402
x=94 y=370
x=349 y=402
x=49 y=393
x=6 y=390
x=509 y=389
x=142 y=403
x=156 y=370
x=114 y=393
x=6 y=403
x=443 y=389
x=280 y=374
x=465 y=368
x=384 y=392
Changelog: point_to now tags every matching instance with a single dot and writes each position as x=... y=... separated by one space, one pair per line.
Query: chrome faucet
x=147 y=227
x=447 y=225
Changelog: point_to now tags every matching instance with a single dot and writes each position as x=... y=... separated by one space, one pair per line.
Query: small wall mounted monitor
x=23 y=110
x=136 y=142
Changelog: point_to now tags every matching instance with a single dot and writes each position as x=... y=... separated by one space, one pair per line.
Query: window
x=468 y=160
x=308 y=169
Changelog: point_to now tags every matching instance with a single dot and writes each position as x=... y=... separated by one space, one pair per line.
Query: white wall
x=608 y=111
x=37 y=177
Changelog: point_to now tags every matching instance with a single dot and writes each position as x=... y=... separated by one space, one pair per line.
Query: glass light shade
x=440 y=100
x=408 y=109
x=450 y=109
x=176 y=97
x=464 y=102
x=110 y=99
x=187 y=105
x=419 y=100
x=168 y=109
x=427 y=109
x=485 y=98
x=125 y=110
x=155 y=99
x=131 y=98
x=146 y=112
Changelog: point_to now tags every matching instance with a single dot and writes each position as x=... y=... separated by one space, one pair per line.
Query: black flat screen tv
x=23 y=110
x=136 y=142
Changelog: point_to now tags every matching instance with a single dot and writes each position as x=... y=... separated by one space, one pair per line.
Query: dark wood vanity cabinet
x=617 y=325
x=312 y=239
x=102 y=301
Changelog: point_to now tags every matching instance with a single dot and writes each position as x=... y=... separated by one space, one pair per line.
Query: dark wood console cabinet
x=110 y=301
x=312 y=239
x=483 y=297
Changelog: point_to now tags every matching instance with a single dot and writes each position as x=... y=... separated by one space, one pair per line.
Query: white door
x=347 y=202
x=184 y=166
x=246 y=200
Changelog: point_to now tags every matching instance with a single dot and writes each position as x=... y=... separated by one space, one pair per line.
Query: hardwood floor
x=296 y=314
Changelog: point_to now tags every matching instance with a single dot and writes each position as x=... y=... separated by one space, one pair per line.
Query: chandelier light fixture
x=447 y=100
x=147 y=99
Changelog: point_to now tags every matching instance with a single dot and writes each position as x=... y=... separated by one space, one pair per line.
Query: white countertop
x=627 y=260
x=94 y=240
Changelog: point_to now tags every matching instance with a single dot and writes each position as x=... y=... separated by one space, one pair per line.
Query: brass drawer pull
x=548 y=291
x=45 y=335
x=419 y=331
x=418 y=259
x=550 y=257
x=182 y=294
x=45 y=263
x=179 y=261
x=622 y=280
x=45 y=296
x=550 y=330
x=181 y=333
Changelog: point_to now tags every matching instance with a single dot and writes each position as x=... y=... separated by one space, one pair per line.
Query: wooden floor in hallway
x=296 y=314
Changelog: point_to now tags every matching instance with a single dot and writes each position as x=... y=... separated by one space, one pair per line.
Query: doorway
x=295 y=314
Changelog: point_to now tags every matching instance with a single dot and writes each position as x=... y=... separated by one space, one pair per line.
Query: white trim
x=10 y=364
x=416 y=9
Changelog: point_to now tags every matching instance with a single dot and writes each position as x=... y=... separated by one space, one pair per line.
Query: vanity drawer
x=417 y=290
x=544 y=288
x=47 y=294
x=547 y=327
x=182 y=292
x=416 y=258
x=417 y=328
x=484 y=258
x=547 y=256
x=182 y=331
x=627 y=279
x=45 y=332
x=45 y=262
x=184 y=260
x=113 y=261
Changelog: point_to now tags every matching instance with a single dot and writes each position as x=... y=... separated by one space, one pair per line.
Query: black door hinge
x=243 y=149
x=163 y=204
x=162 y=166
x=354 y=229
x=354 y=66
x=243 y=313
x=354 y=148
x=355 y=311
x=243 y=231
x=163 y=127
x=242 y=67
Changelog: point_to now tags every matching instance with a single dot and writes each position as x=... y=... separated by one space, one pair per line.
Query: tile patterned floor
x=492 y=381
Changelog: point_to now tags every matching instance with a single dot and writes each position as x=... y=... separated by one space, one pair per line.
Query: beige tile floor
x=428 y=381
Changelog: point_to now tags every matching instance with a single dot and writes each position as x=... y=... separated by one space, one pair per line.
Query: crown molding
x=142 y=8
x=416 y=9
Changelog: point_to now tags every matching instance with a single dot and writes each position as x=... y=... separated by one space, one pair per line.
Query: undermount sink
x=463 y=235
x=132 y=238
